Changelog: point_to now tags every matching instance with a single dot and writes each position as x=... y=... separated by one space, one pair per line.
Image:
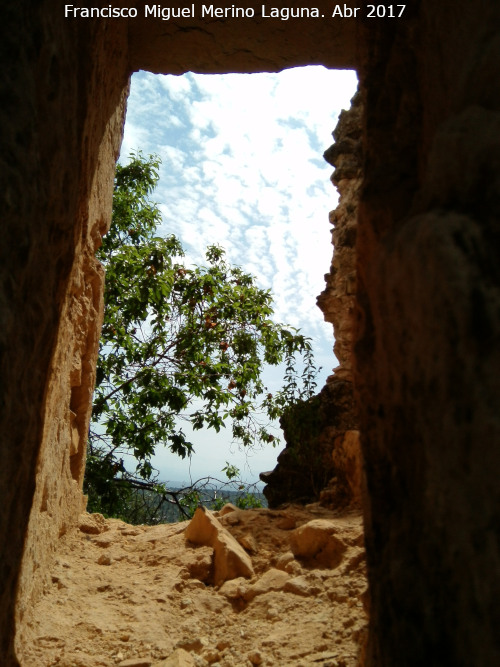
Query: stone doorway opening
x=242 y=166
x=292 y=556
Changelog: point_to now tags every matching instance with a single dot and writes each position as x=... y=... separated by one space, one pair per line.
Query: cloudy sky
x=242 y=166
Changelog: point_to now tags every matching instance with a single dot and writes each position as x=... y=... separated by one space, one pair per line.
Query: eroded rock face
x=338 y=301
x=322 y=458
x=427 y=353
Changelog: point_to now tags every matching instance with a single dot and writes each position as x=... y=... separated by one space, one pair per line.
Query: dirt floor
x=140 y=596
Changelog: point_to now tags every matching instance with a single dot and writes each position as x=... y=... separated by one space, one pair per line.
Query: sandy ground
x=139 y=596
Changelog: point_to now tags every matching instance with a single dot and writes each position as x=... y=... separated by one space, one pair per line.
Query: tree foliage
x=179 y=344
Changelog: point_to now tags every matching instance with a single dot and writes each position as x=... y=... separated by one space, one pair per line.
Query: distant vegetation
x=168 y=504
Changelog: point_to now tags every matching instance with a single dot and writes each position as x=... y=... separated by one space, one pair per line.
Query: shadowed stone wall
x=61 y=118
x=427 y=355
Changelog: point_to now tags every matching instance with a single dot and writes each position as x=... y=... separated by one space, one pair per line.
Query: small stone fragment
x=104 y=542
x=104 y=559
x=249 y=543
x=190 y=644
x=316 y=541
x=286 y=523
x=211 y=655
x=300 y=586
x=234 y=588
x=272 y=614
x=284 y=559
x=255 y=657
x=131 y=531
x=272 y=580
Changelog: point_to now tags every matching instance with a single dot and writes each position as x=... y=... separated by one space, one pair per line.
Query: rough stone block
x=316 y=541
x=230 y=559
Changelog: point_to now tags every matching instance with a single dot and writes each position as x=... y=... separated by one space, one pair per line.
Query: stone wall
x=338 y=299
x=427 y=357
x=60 y=137
x=322 y=457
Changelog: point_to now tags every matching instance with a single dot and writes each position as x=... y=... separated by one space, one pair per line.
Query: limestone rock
x=306 y=465
x=316 y=541
x=255 y=657
x=346 y=487
x=284 y=560
x=272 y=580
x=195 y=644
x=230 y=559
x=249 y=543
x=104 y=559
x=234 y=588
x=337 y=301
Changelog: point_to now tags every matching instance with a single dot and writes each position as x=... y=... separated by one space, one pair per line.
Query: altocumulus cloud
x=242 y=166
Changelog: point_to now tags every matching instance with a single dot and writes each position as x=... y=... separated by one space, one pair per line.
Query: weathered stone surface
x=346 y=487
x=222 y=44
x=338 y=300
x=272 y=580
x=230 y=560
x=316 y=541
x=56 y=189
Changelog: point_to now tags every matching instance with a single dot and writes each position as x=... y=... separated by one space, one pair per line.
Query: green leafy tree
x=178 y=344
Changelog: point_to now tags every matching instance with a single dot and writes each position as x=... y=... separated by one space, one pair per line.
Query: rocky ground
x=253 y=587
